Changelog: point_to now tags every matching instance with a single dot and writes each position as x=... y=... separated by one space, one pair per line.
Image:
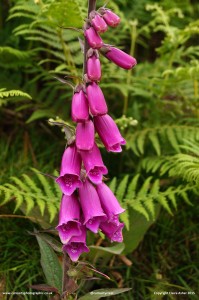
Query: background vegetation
x=156 y=108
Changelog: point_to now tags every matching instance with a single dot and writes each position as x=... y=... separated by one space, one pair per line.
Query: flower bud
x=85 y=133
x=96 y=100
x=120 y=58
x=111 y=18
x=93 y=164
x=98 y=22
x=91 y=207
x=79 y=109
x=93 y=68
x=109 y=133
x=69 y=178
x=93 y=38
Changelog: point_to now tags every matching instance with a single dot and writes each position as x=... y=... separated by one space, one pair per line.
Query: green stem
x=91 y=6
x=65 y=277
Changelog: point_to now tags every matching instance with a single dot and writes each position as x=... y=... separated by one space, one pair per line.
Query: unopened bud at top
x=110 y=17
x=79 y=108
x=119 y=57
x=93 y=38
x=93 y=66
x=98 y=22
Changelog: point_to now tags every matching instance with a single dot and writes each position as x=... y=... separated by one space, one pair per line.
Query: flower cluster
x=87 y=202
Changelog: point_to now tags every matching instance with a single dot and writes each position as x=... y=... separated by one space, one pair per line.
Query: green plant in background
x=162 y=95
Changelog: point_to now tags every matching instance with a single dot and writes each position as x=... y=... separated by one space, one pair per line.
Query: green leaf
x=62 y=13
x=122 y=188
x=112 y=184
x=57 y=246
x=155 y=142
x=138 y=227
x=39 y=114
x=117 y=249
x=50 y=264
x=13 y=93
x=132 y=187
x=103 y=293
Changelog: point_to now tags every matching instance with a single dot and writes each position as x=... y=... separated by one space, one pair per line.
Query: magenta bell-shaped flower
x=91 y=207
x=77 y=245
x=69 y=178
x=109 y=203
x=98 y=23
x=109 y=133
x=93 y=38
x=85 y=135
x=69 y=215
x=79 y=109
x=111 y=18
x=120 y=58
x=96 y=100
x=95 y=168
x=113 y=230
x=93 y=68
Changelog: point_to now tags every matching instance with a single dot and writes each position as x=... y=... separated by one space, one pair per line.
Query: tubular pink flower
x=109 y=133
x=111 y=18
x=93 y=38
x=85 y=134
x=79 y=109
x=93 y=68
x=96 y=100
x=77 y=245
x=91 y=207
x=69 y=178
x=93 y=164
x=99 y=24
x=69 y=215
x=113 y=230
x=120 y=58
x=109 y=203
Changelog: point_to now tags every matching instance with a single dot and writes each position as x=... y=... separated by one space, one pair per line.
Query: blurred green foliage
x=159 y=167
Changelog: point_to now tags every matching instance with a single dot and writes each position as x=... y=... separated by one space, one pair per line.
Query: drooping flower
x=85 y=133
x=69 y=216
x=111 y=18
x=93 y=164
x=113 y=230
x=91 y=207
x=119 y=57
x=96 y=100
x=93 y=38
x=79 y=108
x=109 y=133
x=93 y=67
x=109 y=203
x=77 y=245
x=98 y=22
x=69 y=178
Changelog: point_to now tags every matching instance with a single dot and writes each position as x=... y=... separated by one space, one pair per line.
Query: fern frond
x=35 y=193
x=170 y=135
x=122 y=188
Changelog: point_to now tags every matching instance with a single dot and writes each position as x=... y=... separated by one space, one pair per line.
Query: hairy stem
x=65 y=277
x=91 y=6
